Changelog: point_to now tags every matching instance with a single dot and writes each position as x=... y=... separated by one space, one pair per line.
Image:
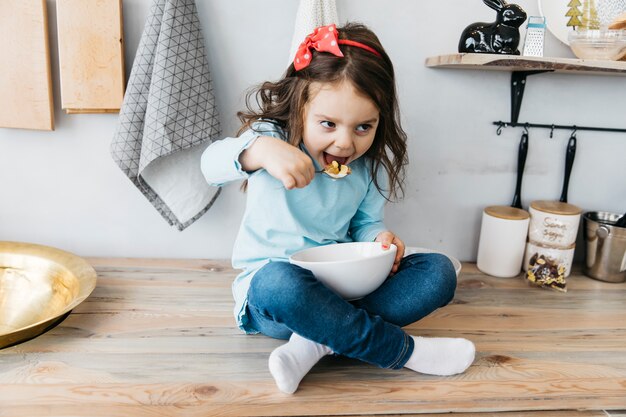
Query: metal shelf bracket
x=518 y=83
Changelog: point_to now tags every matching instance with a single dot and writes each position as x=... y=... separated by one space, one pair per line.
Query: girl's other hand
x=387 y=238
x=281 y=160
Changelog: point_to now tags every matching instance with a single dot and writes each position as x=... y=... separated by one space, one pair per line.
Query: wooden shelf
x=499 y=62
x=522 y=66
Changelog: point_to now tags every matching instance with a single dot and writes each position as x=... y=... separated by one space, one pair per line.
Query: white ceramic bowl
x=409 y=250
x=352 y=269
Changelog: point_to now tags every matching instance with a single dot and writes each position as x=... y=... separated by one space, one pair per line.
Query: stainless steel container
x=605 y=247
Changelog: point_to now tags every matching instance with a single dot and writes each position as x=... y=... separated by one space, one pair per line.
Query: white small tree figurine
x=590 y=15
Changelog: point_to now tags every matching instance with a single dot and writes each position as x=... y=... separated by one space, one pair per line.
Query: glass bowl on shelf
x=598 y=44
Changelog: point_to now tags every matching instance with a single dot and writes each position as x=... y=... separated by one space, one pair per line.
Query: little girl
x=336 y=102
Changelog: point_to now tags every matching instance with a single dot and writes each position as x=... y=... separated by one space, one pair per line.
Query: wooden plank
x=164 y=263
x=551 y=413
x=91 y=111
x=157 y=337
x=499 y=62
x=256 y=398
x=106 y=410
x=25 y=78
x=91 y=55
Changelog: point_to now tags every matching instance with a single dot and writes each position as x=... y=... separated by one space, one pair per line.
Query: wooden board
x=525 y=63
x=157 y=337
x=25 y=80
x=566 y=413
x=91 y=55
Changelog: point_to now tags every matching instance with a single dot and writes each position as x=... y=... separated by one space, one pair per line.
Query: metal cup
x=605 y=247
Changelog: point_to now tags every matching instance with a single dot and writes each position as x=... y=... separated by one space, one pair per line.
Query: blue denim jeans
x=285 y=298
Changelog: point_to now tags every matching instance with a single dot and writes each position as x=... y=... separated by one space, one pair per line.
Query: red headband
x=324 y=39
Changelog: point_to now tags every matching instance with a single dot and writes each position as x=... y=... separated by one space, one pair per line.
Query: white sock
x=290 y=362
x=441 y=355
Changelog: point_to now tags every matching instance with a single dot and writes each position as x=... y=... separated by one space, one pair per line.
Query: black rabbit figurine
x=499 y=37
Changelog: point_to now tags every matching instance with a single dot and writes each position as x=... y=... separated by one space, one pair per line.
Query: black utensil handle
x=521 y=162
x=621 y=222
x=569 y=163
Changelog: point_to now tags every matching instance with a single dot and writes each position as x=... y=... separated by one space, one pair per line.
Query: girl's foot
x=441 y=355
x=290 y=362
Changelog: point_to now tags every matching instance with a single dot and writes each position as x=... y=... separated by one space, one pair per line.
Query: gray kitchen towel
x=169 y=115
x=311 y=14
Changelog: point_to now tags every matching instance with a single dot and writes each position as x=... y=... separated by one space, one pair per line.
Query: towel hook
x=500 y=126
x=552 y=131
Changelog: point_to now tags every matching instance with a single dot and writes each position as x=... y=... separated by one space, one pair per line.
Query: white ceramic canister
x=553 y=223
x=502 y=241
x=556 y=256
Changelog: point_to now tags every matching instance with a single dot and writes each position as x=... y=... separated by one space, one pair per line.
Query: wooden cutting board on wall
x=25 y=80
x=91 y=55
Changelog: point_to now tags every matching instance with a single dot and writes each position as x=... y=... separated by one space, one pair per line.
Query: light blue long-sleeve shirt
x=278 y=222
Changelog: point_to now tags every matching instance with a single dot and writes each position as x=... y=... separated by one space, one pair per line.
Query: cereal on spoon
x=337 y=170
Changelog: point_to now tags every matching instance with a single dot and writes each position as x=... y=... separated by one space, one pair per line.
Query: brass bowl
x=39 y=286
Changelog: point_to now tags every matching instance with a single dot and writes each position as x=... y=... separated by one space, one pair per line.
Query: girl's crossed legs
x=286 y=301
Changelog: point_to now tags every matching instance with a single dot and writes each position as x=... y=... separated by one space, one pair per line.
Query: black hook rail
x=527 y=125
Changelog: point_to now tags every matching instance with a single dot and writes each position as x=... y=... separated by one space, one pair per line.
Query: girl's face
x=339 y=123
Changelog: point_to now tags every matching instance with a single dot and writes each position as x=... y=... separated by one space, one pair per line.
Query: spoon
x=335 y=170
x=335 y=176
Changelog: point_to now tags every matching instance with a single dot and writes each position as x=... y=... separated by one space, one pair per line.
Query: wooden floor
x=157 y=337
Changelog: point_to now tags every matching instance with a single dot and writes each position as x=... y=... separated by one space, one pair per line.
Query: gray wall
x=62 y=188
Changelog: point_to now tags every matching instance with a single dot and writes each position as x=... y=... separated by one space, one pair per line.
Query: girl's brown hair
x=283 y=101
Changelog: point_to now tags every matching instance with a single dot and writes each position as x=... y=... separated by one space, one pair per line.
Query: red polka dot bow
x=323 y=39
